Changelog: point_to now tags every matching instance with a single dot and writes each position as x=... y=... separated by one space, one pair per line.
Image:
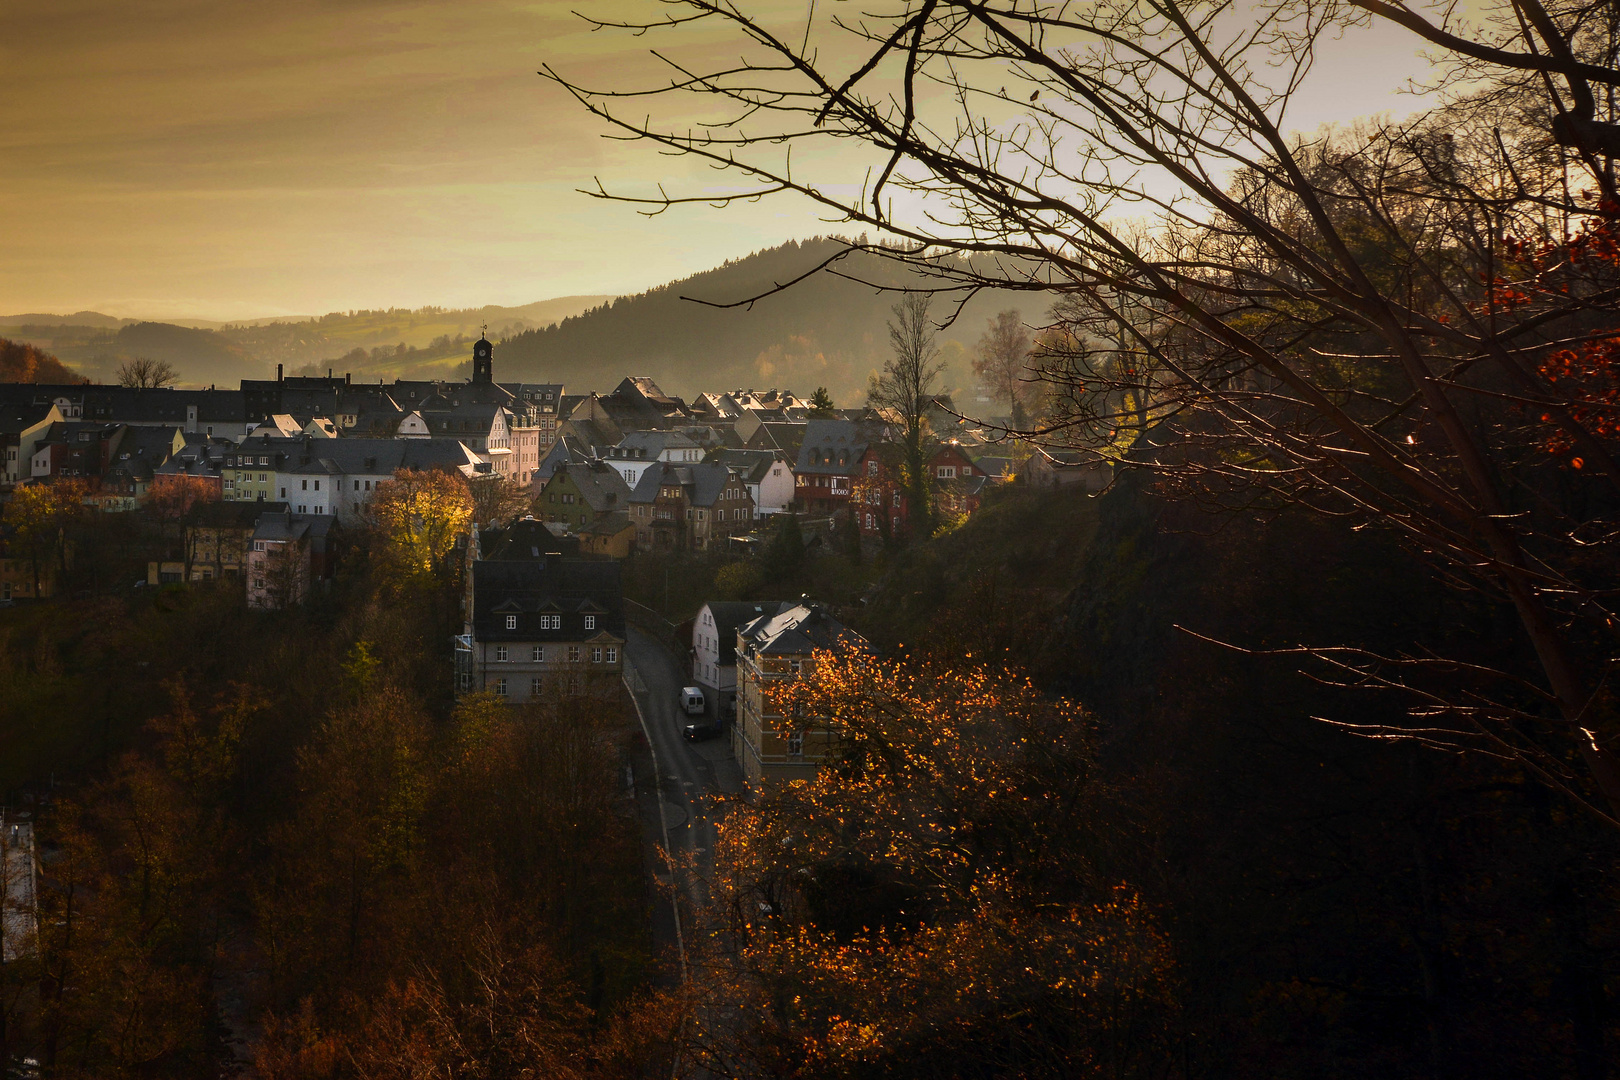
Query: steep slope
x=826 y=330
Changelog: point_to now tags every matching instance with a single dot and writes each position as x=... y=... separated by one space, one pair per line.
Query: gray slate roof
x=530 y=588
x=831 y=448
x=703 y=482
x=796 y=631
x=728 y=615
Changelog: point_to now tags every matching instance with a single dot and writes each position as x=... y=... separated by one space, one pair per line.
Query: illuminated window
x=511 y=622
x=590 y=622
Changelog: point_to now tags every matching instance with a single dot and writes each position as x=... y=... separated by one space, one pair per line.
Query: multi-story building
x=332 y=477
x=640 y=449
x=577 y=494
x=542 y=629
x=830 y=459
x=289 y=554
x=766 y=474
x=714 y=645
x=215 y=543
x=689 y=506
x=769 y=743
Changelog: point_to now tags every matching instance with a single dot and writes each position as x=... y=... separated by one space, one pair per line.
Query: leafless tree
x=905 y=391
x=497 y=498
x=1003 y=361
x=1412 y=324
x=144 y=374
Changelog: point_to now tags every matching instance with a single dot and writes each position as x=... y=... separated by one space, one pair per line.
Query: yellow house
x=773 y=649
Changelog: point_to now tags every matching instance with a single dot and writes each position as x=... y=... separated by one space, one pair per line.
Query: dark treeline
x=1335 y=905
x=825 y=331
x=274 y=838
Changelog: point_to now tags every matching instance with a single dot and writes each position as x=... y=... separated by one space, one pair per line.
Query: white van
x=692 y=700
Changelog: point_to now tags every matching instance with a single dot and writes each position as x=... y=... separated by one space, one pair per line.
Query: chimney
x=348 y=378
x=278 y=373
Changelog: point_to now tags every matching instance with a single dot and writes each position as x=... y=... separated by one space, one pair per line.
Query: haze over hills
x=827 y=330
x=422 y=342
x=824 y=331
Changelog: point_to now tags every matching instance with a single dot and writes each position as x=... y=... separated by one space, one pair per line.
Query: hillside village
x=634 y=469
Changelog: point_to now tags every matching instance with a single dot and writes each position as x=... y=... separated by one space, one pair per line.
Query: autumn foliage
x=932 y=904
x=23 y=363
x=418 y=516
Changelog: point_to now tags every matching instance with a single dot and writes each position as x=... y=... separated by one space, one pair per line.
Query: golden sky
x=228 y=159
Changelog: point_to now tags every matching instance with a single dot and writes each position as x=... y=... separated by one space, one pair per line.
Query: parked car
x=692 y=701
x=704 y=731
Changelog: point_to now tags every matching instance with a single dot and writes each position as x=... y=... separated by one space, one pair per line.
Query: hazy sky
x=213 y=159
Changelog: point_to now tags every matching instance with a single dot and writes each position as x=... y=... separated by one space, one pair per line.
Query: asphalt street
x=693 y=777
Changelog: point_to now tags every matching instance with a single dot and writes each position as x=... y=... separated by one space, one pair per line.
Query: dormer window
x=511 y=622
x=590 y=622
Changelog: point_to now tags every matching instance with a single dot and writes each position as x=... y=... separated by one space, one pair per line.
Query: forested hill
x=825 y=331
x=21 y=362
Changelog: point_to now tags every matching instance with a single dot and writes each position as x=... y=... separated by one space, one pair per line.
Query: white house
x=639 y=449
x=766 y=472
x=714 y=644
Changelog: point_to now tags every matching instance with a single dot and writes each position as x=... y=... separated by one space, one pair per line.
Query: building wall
x=278 y=574
x=564 y=669
x=706 y=666
x=775 y=490
x=762 y=740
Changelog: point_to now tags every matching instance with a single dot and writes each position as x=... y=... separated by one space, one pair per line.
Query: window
x=596 y=655
x=283 y=493
x=500 y=687
x=795 y=742
x=317 y=485
x=511 y=622
x=871 y=468
x=539 y=654
x=368 y=485
x=500 y=653
x=947 y=472
x=258 y=583
x=536 y=686
x=305 y=484
x=320 y=509
x=573 y=654
x=357 y=485
x=262 y=461
x=258 y=545
x=357 y=506
x=612 y=655
x=590 y=622
x=551 y=622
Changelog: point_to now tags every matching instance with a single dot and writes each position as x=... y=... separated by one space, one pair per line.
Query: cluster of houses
x=636 y=468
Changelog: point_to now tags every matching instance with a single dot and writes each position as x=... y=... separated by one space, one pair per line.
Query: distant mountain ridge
x=824 y=331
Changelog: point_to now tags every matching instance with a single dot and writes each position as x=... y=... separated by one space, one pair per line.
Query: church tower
x=483 y=372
